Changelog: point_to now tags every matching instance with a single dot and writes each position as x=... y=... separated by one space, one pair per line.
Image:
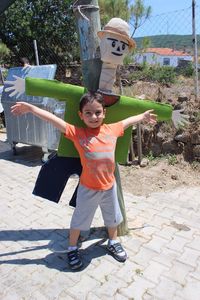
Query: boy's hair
x=89 y=98
x=23 y=61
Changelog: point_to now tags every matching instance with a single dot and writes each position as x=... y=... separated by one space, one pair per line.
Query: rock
x=195 y=138
x=174 y=177
x=182 y=97
x=156 y=149
x=184 y=137
x=172 y=147
x=180 y=226
x=144 y=162
x=160 y=137
x=196 y=151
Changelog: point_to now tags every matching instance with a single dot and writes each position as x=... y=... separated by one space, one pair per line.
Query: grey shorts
x=87 y=202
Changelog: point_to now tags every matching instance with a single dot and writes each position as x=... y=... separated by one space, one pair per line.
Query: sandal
x=74 y=259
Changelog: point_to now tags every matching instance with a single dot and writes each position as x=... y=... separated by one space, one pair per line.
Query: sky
x=170 y=17
x=163 y=6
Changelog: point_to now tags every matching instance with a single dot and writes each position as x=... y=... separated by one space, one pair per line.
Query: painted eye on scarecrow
x=123 y=46
x=113 y=44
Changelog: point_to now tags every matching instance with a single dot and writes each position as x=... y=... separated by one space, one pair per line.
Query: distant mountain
x=178 y=42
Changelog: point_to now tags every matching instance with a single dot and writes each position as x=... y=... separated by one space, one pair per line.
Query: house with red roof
x=162 y=56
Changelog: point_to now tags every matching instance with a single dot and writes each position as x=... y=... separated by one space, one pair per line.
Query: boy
x=96 y=146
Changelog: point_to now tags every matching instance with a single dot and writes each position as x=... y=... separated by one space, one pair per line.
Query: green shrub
x=155 y=73
x=186 y=71
x=172 y=159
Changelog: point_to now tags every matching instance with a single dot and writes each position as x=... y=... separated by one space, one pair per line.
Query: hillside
x=178 y=42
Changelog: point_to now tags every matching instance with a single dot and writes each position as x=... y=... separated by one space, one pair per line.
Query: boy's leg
x=112 y=233
x=87 y=202
x=73 y=254
x=112 y=218
x=73 y=237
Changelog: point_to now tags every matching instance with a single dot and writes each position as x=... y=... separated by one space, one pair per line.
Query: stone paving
x=163 y=244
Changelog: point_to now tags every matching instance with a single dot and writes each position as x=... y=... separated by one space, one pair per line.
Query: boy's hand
x=20 y=108
x=148 y=117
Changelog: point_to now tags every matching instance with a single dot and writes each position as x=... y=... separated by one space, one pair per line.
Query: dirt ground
x=159 y=175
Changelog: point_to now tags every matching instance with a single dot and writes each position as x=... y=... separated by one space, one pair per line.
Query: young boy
x=96 y=146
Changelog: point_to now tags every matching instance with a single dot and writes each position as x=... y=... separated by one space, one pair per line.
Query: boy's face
x=92 y=114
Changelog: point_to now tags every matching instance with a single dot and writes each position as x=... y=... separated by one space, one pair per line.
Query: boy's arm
x=147 y=117
x=21 y=108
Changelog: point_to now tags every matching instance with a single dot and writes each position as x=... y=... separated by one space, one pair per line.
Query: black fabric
x=53 y=177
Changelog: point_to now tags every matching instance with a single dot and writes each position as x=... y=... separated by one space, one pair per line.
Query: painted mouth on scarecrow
x=117 y=54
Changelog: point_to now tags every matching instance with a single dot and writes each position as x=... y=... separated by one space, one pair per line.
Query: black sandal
x=74 y=259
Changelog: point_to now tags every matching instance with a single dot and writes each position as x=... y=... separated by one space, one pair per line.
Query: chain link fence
x=163 y=31
x=170 y=30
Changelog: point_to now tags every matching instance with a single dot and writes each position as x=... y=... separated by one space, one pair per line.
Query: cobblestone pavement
x=163 y=244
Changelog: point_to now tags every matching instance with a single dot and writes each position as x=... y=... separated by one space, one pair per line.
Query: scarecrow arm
x=44 y=88
x=127 y=106
x=164 y=111
x=53 y=88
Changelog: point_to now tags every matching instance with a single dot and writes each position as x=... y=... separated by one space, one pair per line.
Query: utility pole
x=88 y=24
x=194 y=40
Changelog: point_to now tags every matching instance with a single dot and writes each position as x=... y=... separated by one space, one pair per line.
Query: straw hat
x=120 y=28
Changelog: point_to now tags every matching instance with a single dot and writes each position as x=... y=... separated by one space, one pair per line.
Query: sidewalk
x=163 y=244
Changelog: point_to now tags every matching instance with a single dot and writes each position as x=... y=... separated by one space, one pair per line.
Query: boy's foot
x=74 y=259
x=117 y=251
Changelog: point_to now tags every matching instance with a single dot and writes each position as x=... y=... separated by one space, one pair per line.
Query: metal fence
x=168 y=28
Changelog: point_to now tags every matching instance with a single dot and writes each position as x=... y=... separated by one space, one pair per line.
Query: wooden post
x=139 y=143
x=88 y=24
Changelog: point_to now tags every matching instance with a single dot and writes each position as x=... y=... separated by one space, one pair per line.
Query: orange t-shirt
x=96 y=147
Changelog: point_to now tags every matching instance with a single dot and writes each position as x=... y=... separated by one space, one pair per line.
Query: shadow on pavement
x=57 y=245
x=26 y=155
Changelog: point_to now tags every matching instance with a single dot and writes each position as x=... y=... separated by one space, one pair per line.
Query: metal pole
x=88 y=24
x=36 y=52
x=194 y=40
x=1 y=75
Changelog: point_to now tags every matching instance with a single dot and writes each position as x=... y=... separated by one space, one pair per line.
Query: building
x=162 y=56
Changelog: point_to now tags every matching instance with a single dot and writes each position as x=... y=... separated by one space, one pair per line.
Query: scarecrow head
x=115 y=41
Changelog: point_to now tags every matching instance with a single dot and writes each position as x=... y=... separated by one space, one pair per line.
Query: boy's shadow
x=57 y=259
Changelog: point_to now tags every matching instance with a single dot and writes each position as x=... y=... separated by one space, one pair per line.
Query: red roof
x=167 y=52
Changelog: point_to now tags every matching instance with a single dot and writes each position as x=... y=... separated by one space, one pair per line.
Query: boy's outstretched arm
x=21 y=108
x=147 y=117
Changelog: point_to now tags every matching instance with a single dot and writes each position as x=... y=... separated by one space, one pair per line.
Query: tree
x=4 y=52
x=136 y=13
x=50 y=22
x=139 y=14
x=114 y=8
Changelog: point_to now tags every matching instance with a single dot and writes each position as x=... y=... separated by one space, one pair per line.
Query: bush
x=155 y=73
x=186 y=71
